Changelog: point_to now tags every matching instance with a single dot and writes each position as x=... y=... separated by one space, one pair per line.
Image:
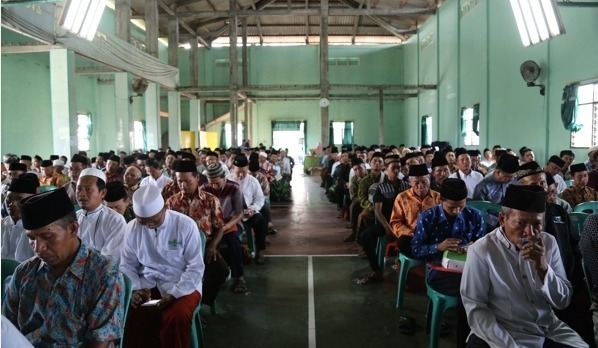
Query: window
x=470 y=125
x=83 y=131
x=587 y=116
x=426 y=129
x=139 y=139
x=341 y=133
x=228 y=135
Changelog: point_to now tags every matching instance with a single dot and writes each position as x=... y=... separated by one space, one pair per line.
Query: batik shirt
x=231 y=200
x=263 y=180
x=84 y=304
x=203 y=207
x=171 y=189
x=588 y=245
x=407 y=207
x=56 y=179
x=575 y=195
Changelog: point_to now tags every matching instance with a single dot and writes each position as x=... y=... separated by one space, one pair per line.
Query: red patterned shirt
x=203 y=207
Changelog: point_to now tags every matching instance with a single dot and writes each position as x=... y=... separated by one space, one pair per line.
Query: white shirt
x=12 y=337
x=506 y=303
x=285 y=166
x=160 y=182
x=252 y=191
x=560 y=183
x=471 y=180
x=103 y=230
x=169 y=257
x=15 y=244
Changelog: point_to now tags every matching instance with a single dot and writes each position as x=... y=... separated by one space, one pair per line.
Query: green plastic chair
x=577 y=220
x=569 y=183
x=382 y=249
x=437 y=305
x=485 y=208
x=46 y=188
x=7 y=269
x=406 y=265
x=591 y=206
x=128 y=294
x=196 y=329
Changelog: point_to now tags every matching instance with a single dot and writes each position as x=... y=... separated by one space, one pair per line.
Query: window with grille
x=587 y=116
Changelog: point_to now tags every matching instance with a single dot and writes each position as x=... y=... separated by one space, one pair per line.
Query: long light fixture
x=82 y=17
x=537 y=20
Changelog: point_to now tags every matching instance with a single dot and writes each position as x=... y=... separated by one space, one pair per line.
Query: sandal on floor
x=370 y=279
x=240 y=287
x=407 y=325
x=259 y=260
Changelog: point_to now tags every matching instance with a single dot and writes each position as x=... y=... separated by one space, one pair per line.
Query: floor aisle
x=275 y=310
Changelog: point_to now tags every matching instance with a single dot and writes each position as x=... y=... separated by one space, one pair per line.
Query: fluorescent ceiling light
x=537 y=20
x=82 y=17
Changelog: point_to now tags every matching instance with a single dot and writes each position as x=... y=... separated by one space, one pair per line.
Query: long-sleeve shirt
x=407 y=207
x=490 y=190
x=588 y=245
x=102 y=229
x=15 y=244
x=507 y=304
x=471 y=180
x=263 y=180
x=169 y=257
x=433 y=228
x=575 y=195
x=560 y=183
x=252 y=191
x=363 y=190
x=84 y=304
x=354 y=186
x=231 y=200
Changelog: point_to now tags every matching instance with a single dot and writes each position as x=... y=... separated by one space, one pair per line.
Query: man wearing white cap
x=100 y=227
x=590 y=165
x=155 y=176
x=163 y=258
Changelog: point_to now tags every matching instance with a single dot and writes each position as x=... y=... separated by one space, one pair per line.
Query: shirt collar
x=77 y=266
x=502 y=238
x=93 y=212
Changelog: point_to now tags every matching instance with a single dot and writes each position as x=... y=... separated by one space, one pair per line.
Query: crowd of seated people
x=416 y=197
x=168 y=222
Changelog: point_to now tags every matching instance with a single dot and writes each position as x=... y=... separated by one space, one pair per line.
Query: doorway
x=290 y=135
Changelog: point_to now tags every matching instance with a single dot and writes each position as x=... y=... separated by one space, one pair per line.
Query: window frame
x=580 y=119
x=470 y=125
x=81 y=129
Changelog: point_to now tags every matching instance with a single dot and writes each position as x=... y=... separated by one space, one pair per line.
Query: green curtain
x=223 y=136
x=424 y=130
x=286 y=125
x=348 y=133
x=569 y=108
x=476 y=119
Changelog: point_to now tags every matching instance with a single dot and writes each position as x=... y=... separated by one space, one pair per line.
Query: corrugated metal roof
x=387 y=22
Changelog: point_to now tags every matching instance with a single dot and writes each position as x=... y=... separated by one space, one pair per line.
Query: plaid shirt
x=203 y=207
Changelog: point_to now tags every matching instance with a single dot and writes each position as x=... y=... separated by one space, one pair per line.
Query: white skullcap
x=92 y=172
x=147 y=201
x=58 y=162
x=263 y=154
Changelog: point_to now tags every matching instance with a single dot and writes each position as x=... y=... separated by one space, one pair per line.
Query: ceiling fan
x=530 y=71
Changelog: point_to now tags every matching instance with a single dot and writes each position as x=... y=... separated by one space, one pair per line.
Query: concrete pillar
x=174 y=120
x=122 y=107
x=64 y=102
x=152 y=116
x=195 y=118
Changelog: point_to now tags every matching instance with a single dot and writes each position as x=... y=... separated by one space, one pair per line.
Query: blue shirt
x=491 y=190
x=85 y=304
x=433 y=227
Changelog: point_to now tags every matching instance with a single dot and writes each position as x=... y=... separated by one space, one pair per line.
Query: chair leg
x=404 y=272
x=436 y=319
x=381 y=251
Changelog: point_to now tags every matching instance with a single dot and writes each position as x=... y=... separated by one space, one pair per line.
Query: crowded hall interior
x=299 y=173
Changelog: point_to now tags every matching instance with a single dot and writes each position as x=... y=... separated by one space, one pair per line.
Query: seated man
x=465 y=173
x=117 y=199
x=588 y=245
x=384 y=199
x=50 y=177
x=254 y=201
x=514 y=277
x=163 y=257
x=15 y=244
x=68 y=295
x=554 y=166
x=440 y=171
x=492 y=188
x=375 y=175
x=409 y=204
x=155 y=176
x=360 y=172
x=579 y=192
x=205 y=209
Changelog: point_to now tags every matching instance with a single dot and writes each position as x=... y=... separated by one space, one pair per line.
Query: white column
x=64 y=102
x=195 y=119
x=124 y=127
x=152 y=116
x=174 y=120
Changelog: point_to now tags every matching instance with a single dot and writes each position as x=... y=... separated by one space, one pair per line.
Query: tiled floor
x=275 y=312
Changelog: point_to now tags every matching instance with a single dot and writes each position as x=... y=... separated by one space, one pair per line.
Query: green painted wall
x=475 y=54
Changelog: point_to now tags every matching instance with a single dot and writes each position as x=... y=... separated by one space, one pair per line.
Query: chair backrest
x=587 y=207
x=128 y=294
x=7 y=270
x=577 y=220
x=46 y=188
x=486 y=208
x=569 y=183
